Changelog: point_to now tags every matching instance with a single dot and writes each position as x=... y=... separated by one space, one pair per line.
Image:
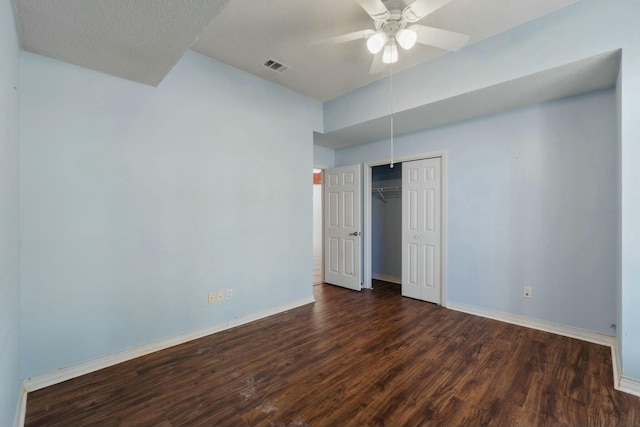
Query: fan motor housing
x=392 y=24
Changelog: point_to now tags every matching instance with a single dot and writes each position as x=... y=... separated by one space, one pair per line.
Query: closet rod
x=381 y=196
x=379 y=189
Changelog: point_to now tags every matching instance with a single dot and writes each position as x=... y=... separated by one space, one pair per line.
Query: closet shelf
x=383 y=192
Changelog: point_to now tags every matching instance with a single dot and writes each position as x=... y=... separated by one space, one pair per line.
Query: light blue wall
x=9 y=217
x=139 y=201
x=571 y=34
x=619 y=325
x=323 y=157
x=531 y=201
x=630 y=206
x=386 y=238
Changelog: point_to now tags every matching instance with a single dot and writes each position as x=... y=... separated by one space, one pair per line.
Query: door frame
x=321 y=169
x=367 y=236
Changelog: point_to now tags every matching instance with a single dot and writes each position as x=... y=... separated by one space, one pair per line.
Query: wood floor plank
x=369 y=358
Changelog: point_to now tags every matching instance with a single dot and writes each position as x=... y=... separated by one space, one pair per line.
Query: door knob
x=355 y=233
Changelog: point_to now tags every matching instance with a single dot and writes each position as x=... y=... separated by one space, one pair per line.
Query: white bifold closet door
x=422 y=229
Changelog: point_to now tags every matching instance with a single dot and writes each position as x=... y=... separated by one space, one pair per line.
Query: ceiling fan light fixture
x=406 y=38
x=390 y=54
x=376 y=42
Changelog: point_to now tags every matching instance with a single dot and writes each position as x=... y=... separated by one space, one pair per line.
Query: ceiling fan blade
x=356 y=35
x=443 y=39
x=377 y=66
x=375 y=8
x=421 y=8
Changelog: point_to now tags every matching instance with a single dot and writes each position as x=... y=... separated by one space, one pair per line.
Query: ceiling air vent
x=275 y=65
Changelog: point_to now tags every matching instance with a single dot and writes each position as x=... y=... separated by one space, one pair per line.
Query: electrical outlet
x=220 y=295
x=526 y=291
x=229 y=293
x=212 y=297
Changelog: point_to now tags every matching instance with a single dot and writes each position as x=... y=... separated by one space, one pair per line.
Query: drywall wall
x=531 y=201
x=137 y=202
x=9 y=217
x=619 y=228
x=323 y=157
x=570 y=34
x=630 y=208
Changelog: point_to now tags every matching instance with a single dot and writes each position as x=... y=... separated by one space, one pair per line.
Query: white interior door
x=342 y=226
x=422 y=229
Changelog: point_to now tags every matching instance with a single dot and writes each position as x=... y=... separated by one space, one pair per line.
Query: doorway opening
x=318 y=257
x=386 y=223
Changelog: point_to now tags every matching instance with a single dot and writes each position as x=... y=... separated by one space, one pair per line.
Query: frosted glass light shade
x=406 y=38
x=390 y=54
x=376 y=42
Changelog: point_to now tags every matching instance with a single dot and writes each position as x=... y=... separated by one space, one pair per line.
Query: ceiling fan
x=395 y=28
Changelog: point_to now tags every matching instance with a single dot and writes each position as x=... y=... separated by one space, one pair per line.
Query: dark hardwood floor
x=352 y=359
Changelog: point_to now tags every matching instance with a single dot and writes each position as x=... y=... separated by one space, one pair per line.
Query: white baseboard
x=21 y=407
x=385 y=278
x=541 y=325
x=629 y=385
x=621 y=383
x=616 y=365
x=67 y=373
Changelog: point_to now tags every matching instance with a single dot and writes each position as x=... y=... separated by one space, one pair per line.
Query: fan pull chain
x=391 y=109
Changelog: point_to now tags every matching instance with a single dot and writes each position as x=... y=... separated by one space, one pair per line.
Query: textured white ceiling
x=248 y=32
x=139 y=40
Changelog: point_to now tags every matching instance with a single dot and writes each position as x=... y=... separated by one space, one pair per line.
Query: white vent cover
x=275 y=65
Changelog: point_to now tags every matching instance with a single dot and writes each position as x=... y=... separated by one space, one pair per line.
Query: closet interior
x=386 y=223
